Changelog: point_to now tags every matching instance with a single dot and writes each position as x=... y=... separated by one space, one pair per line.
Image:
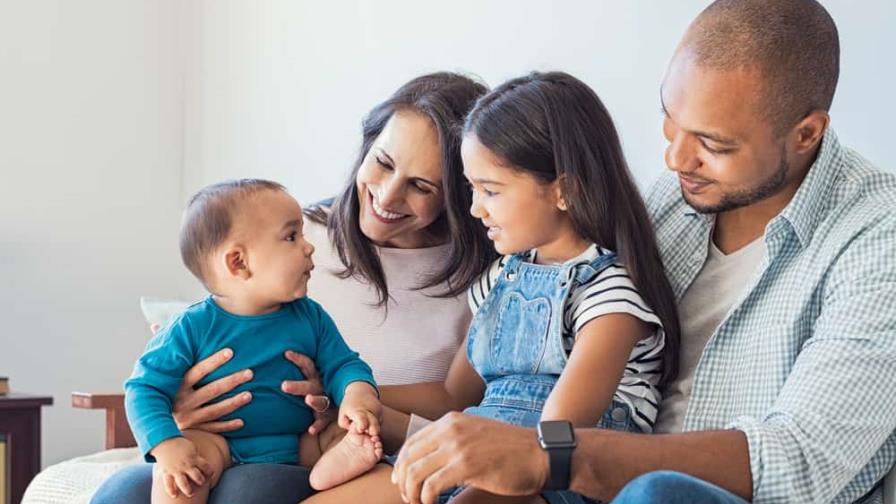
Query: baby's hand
x=361 y=409
x=178 y=462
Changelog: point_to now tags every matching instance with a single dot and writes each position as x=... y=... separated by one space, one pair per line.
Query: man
x=781 y=247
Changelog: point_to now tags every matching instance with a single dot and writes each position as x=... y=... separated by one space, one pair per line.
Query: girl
x=576 y=321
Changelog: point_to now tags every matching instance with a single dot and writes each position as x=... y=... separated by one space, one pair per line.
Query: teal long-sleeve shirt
x=273 y=420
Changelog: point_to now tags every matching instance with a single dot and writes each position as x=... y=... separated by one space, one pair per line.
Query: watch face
x=556 y=432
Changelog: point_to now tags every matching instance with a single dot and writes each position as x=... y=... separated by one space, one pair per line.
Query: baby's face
x=279 y=257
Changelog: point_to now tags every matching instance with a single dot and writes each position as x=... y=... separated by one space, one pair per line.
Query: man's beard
x=746 y=197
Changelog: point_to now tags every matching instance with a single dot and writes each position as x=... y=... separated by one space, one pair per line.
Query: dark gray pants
x=255 y=483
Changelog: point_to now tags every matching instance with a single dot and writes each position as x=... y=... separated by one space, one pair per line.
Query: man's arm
x=507 y=460
x=605 y=460
x=835 y=411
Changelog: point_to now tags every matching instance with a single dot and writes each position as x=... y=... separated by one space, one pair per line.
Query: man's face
x=720 y=144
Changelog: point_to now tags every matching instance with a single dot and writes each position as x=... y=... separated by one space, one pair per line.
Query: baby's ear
x=236 y=262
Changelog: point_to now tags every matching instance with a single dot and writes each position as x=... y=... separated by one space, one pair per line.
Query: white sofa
x=75 y=481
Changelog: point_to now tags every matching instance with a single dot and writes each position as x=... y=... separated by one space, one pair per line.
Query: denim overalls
x=515 y=343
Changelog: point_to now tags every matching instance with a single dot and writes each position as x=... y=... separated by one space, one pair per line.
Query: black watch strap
x=560 y=462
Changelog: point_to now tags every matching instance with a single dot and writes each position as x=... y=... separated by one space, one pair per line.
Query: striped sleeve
x=610 y=291
x=480 y=289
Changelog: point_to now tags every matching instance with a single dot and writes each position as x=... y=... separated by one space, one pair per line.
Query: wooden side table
x=20 y=423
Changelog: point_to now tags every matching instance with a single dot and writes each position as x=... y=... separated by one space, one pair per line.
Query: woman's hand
x=313 y=390
x=190 y=409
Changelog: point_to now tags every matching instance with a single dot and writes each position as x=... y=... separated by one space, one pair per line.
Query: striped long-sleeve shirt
x=610 y=291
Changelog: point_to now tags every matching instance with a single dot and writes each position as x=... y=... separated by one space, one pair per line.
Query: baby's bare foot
x=351 y=457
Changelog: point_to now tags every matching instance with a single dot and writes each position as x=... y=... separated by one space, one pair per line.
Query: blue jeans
x=670 y=487
x=255 y=483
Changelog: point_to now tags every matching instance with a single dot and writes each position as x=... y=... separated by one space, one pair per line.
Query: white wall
x=278 y=89
x=90 y=181
x=113 y=112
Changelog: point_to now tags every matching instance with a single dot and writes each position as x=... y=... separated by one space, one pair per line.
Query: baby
x=243 y=240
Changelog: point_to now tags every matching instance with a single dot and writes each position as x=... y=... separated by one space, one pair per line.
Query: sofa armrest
x=118 y=432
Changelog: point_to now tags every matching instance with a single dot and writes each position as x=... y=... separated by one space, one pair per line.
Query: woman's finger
x=193 y=399
x=214 y=411
x=186 y=418
x=304 y=363
x=302 y=387
x=318 y=403
x=204 y=367
x=218 y=427
x=321 y=421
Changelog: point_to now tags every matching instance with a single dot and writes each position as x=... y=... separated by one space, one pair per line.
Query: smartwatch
x=558 y=438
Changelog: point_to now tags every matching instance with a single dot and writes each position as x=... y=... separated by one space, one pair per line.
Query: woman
x=397 y=242
x=577 y=322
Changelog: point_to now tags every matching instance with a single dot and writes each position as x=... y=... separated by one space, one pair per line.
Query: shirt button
x=618 y=414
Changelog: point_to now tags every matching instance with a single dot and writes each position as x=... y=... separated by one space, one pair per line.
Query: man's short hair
x=209 y=218
x=793 y=44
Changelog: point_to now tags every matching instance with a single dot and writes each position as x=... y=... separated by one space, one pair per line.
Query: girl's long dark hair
x=551 y=125
x=445 y=98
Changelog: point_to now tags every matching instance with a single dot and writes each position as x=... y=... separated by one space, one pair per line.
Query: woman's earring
x=562 y=205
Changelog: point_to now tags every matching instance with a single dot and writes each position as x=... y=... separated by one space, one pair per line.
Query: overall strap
x=582 y=273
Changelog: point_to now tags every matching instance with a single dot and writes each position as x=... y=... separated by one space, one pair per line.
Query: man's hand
x=465 y=450
x=361 y=409
x=181 y=466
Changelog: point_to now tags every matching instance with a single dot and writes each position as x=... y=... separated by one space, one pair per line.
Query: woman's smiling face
x=400 y=183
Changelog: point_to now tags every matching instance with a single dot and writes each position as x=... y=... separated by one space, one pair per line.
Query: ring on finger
x=326 y=407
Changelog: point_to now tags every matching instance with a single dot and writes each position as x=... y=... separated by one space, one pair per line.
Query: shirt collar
x=807 y=208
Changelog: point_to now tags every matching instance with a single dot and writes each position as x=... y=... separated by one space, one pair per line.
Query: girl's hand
x=181 y=466
x=313 y=390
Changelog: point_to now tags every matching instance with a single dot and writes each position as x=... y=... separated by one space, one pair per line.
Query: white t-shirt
x=610 y=291
x=705 y=304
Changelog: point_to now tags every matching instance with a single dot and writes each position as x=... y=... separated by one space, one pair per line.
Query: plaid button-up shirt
x=804 y=363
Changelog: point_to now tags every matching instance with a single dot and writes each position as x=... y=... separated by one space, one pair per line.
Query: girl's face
x=520 y=212
x=400 y=183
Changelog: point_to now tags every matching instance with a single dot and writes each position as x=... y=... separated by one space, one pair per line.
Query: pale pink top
x=417 y=338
